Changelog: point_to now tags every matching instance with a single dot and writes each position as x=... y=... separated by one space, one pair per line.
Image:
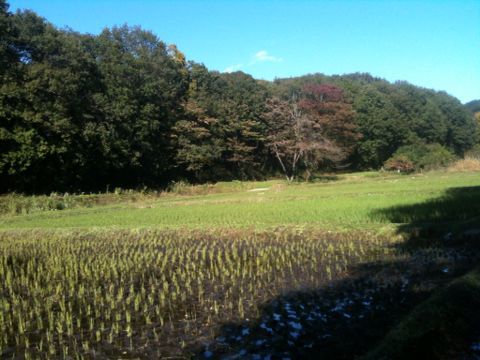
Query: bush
x=424 y=156
x=14 y=204
x=399 y=163
x=473 y=153
x=465 y=165
x=436 y=157
x=184 y=188
x=413 y=152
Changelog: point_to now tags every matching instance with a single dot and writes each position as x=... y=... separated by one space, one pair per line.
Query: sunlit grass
x=349 y=202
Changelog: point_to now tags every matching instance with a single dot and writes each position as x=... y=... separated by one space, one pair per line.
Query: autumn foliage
x=82 y=112
x=315 y=129
x=399 y=163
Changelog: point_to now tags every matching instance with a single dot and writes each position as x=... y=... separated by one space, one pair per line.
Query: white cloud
x=260 y=56
x=233 y=68
x=263 y=55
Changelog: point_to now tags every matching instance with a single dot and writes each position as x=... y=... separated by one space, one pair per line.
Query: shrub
x=14 y=204
x=473 y=153
x=467 y=164
x=399 y=163
x=184 y=188
x=436 y=157
x=413 y=152
x=425 y=156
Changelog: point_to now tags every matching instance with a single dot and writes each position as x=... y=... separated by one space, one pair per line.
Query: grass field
x=254 y=270
x=349 y=202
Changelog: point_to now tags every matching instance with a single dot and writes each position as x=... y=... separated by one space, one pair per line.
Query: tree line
x=82 y=112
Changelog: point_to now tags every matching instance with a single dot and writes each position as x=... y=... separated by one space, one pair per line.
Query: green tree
x=10 y=78
x=221 y=136
x=200 y=138
x=381 y=125
x=460 y=124
x=144 y=88
x=54 y=102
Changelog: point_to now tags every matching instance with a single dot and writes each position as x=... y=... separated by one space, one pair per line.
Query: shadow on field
x=347 y=318
x=456 y=210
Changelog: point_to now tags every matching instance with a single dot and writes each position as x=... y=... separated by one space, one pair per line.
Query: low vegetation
x=144 y=292
x=466 y=165
x=420 y=157
x=340 y=202
x=442 y=327
x=13 y=204
x=264 y=269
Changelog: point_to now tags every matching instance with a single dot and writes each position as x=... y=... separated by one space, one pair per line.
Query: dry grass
x=467 y=164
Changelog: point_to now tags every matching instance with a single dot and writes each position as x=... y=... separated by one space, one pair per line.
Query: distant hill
x=473 y=106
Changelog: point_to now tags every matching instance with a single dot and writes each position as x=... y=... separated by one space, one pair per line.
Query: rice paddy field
x=256 y=270
x=344 y=202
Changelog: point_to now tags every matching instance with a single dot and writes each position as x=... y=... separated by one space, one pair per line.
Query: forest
x=82 y=112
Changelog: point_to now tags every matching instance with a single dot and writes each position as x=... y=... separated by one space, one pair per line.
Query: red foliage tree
x=317 y=128
x=332 y=115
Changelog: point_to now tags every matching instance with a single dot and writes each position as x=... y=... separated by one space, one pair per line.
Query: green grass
x=138 y=275
x=351 y=201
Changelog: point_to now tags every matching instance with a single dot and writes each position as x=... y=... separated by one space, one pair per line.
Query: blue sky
x=435 y=44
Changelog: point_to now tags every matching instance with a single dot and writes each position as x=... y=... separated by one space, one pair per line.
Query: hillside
x=473 y=106
x=84 y=112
